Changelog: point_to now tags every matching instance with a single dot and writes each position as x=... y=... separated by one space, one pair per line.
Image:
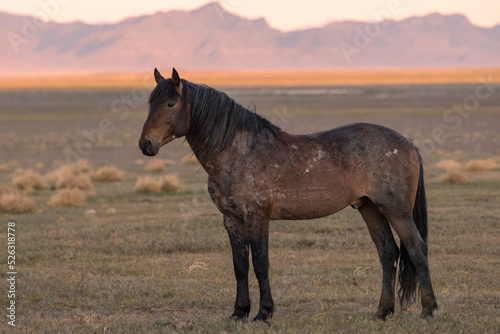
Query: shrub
x=29 y=180
x=448 y=165
x=84 y=166
x=170 y=183
x=68 y=197
x=12 y=201
x=81 y=181
x=455 y=177
x=69 y=177
x=107 y=174
x=63 y=172
x=148 y=184
x=481 y=165
x=155 y=165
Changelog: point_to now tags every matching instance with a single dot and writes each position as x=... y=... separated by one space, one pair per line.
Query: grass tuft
x=156 y=165
x=13 y=201
x=482 y=165
x=171 y=183
x=29 y=180
x=448 y=165
x=69 y=177
x=84 y=165
x=149 y=184
x=455 y=177
x=108 y=174
x=72 y=197
x=80 y=181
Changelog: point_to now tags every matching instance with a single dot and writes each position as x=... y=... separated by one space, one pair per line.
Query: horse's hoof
x=263 y=316
x=383 y=313
x=240 y=314
x=426 y=314
x=260 y=318
x=378 y=317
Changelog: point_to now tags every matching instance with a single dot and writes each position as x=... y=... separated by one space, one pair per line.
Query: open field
x=161 y=263
x=279 y=78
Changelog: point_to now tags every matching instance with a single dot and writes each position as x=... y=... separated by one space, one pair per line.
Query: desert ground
x=130 y=259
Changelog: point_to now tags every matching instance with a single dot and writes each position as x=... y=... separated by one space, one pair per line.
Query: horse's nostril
x=145 y=145
x=148 y=148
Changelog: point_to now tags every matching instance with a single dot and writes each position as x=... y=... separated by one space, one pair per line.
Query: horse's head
x=169 y=114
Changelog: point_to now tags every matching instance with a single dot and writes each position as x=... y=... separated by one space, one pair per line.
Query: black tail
x=407 y=272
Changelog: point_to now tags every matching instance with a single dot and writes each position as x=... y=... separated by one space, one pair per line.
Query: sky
x=281 y=14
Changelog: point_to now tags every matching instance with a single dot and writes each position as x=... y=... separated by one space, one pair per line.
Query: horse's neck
x=242 y=145
x=207 y=165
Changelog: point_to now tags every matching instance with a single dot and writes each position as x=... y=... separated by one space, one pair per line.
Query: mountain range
x=211 y=38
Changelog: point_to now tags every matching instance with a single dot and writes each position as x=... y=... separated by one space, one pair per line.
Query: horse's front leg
x=258 y=231
x=238 y=237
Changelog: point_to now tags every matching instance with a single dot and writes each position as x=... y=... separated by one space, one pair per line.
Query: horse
x=258 y=173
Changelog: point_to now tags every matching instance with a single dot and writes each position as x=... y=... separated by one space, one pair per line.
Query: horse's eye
x=170 y=104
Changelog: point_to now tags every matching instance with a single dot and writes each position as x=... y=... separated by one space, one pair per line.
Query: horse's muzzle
x=149 y=148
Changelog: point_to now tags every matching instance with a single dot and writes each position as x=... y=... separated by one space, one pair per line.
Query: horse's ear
x=158 y=77
x=175 y=78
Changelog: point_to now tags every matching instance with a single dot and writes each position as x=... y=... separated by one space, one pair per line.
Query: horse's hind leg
x=417 y=251
x=238 y=236
x=388 y=253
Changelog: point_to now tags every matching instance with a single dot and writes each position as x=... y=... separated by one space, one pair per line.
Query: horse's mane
x=216 y=119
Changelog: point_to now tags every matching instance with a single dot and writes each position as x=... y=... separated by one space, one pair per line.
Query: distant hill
x=211 y=38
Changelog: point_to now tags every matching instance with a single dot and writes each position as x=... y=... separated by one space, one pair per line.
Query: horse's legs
x=417 y=250
x=258 y=230
x=238 y=237
x=388 y=253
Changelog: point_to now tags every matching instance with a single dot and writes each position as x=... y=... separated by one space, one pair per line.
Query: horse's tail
x=407 y=271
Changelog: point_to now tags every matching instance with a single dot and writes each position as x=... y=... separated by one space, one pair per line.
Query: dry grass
x=149 y=184
x=455 y=177
x=108 y=174
x=68 y=197
x=69 y=177
x=189 y=159
x=29 y=180
x=448 y=165
x=80 y=181
x=482 y=165
x=13 y=201
x=155 y=165
x=84 y=166
x=60 y=174
x=171 y=183
x=127 y=269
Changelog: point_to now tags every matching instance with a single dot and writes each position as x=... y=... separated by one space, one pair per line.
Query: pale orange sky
x=281 y=14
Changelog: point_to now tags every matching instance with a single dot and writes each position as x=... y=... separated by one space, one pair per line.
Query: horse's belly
x=307 y=204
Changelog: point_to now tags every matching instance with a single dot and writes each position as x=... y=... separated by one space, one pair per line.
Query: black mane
x=216 y=119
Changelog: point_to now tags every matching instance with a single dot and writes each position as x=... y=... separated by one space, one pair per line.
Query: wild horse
x=257 y=173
